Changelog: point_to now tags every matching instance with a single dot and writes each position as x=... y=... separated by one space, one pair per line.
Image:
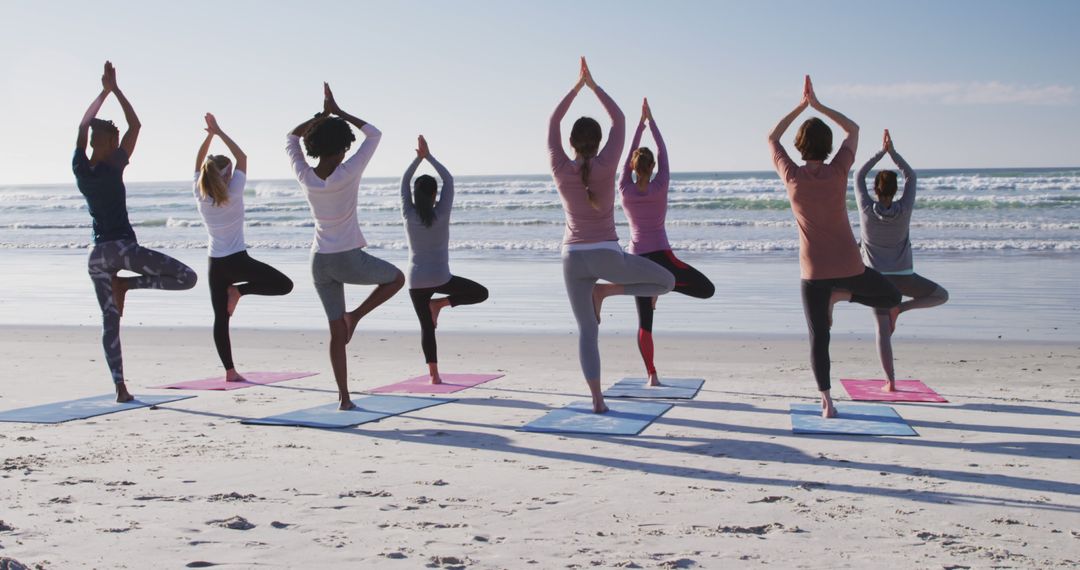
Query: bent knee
x=287 y=286
x=482 y=294
x=942 y=294
x=188 y=279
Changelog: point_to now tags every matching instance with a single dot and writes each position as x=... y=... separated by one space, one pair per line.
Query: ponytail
x=585 y=138
x=424 y=190
x=212 y=180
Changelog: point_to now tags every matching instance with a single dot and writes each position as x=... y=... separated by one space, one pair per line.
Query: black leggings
x=688 y=281
x=257 y=278
x=459 y=290
x=869 y=288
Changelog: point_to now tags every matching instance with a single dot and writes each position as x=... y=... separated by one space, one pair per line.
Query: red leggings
x=688 y=281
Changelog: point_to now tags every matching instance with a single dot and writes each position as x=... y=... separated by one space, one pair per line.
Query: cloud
x=960 y=93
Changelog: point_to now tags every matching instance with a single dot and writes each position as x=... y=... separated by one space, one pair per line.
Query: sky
x=959 y=84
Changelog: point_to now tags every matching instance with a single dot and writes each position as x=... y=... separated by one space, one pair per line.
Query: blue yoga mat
x=368 y=409
x=83 y=408
x=854 y=419
x=622 y=418
x=672 y=389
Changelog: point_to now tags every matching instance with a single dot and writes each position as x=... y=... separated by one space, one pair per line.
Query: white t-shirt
x=224 y=223
x=333 y=201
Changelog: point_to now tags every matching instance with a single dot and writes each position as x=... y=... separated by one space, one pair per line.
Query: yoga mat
x=672 y=388
x=906 y=391
x=623 y=418
x=422 y=384
x=253 y=379
x=81 y=409
x=368 y=409
x=854 y=419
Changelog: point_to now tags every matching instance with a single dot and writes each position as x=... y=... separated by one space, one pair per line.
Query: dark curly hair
x=814 y=139
x=328 y=136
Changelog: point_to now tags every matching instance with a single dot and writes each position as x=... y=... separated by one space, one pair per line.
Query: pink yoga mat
x=253 y=379
x=422 y=384
x=906 y=391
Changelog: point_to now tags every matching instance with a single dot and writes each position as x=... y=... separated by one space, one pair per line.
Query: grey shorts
x=331 y=271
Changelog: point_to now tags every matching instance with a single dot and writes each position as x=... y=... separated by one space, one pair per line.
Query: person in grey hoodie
x=886 y=247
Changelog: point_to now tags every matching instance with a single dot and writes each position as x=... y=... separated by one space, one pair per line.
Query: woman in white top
x=219 y=195
x=337 y=255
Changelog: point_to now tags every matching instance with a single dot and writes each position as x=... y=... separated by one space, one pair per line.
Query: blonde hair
x=212 y=179
x=642 y=161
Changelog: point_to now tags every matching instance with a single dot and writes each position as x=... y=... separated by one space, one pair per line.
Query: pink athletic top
x=584 y=224
x=818 y=194
x=647 y=210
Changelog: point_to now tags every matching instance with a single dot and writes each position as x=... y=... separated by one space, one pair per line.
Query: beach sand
x=718 y=482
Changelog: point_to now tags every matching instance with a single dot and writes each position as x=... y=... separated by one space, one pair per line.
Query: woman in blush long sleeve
x=886 y=247
x=219 y=196
x=337 y=254
x=591 y=252
x=829 y=262
x=644 y=200
x=100 y=179
x=427 y=226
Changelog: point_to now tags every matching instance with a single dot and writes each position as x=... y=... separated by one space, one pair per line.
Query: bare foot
x=436 y=306
x=890 y=386
x=654 y=380
x=835 y=298
x=436 y=379
x=351 y=320
x=894 y=313
x=827 y=408
x=599 y=407
x=346 y=404
x=654 y=302
x=122 y=394
x=119 y=293
x=231 y=375
x=234 y=298
x=597 y=302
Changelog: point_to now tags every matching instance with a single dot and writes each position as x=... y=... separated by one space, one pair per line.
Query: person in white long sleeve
x=337 y=254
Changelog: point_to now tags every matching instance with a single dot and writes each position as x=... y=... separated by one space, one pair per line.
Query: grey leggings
x=582 y=269
x=924 y=294
x=156 y=271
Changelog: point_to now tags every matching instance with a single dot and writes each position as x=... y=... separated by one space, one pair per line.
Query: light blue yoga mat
x=854 y=419
x=623 y=418
x=368 y=409
x=83 y=408
x=671 y=389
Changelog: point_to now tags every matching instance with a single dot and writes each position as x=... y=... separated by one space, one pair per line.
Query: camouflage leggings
x=156 y=271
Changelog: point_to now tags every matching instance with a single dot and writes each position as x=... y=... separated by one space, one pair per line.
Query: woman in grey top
x=427 y=226
x=886 y=247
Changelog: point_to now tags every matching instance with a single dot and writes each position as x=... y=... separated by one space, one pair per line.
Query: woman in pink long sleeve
x=645 y=203
x=591 y=251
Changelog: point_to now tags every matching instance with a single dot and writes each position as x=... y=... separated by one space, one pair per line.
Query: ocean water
x=1006 y=243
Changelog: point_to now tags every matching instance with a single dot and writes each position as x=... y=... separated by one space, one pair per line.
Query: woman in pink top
x=830 y=265
x=645 y=202
x=591 y=251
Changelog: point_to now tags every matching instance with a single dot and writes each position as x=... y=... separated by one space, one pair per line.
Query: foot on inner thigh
x=119 y=293
x=654 y=379
x=894 y=313
x=234 y=298
x=600 y=292
x=122 y=394
x=837 y=296
x=231 y=375
x=352 y=318
x=435 y=306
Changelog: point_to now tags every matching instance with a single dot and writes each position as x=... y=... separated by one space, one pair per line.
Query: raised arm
x=406 y=181
x=446 y=197
x=133 y=125
x=908 y=199
x=83 y=136
x=663 y=169
x=862 y=195
x=204 y=149
x=238 y=155
x=849 y=126
x=617 y=134
x=360 y=158
x=556 y=154
x=626 y=179
x=781 y=161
